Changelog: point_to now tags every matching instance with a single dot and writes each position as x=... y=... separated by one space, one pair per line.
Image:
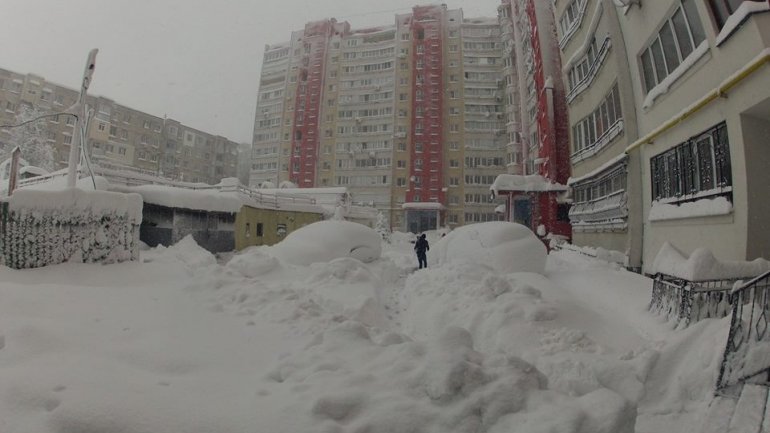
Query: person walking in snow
x=421 y=247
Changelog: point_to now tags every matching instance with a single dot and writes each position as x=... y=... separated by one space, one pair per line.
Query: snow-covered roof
x=701 y=265
x=211 y=200
x=524 y=183
x=423 y=205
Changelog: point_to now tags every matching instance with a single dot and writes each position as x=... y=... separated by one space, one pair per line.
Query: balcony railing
x=593 y=70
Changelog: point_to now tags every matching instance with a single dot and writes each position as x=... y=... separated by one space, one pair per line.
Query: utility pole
x=79 y=110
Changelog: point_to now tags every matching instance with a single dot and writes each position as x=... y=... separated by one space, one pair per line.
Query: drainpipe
x=720 y=91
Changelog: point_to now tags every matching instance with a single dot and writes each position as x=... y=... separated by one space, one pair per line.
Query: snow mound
x=324 y=241
x=504 y=246
x=253 y=262
x=346 y=381
x=501 y=312
x=186 y=252
x=701 y=265
x=346 y=287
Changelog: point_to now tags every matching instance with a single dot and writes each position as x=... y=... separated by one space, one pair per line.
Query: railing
x=747 y=355
x=690 y=301
x=131 y=178
x=593 y=70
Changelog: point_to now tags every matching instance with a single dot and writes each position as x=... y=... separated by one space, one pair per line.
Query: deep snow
x=183 y=342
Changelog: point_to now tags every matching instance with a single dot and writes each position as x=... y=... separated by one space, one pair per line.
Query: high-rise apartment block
x=409 y=117
x=119 y=137
x=538 y=126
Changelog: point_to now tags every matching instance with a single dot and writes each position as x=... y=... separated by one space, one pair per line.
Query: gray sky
x=196 y=61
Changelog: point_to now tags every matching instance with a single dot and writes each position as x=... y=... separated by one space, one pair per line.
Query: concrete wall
x=756 y=140
x=248 y=220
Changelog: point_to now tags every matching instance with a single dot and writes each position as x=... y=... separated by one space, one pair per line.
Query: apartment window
x=122 y=151
x=700 y=164
x=596 y=128
x=676 y=40
x=722 y=9
x=571 y=16
x=453 y=163
x=401 y=181
x=401 y=163
x=453 y=48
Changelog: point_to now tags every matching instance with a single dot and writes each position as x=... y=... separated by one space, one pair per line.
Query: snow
x=181 y=341
x=324 y=241
x=745 y=9
x=687 y=63
x=211 y=200
x=525 y=183
x=701 y=265
x=423 y=206
x=698 y=208
x=75 y=201
x=503 y=246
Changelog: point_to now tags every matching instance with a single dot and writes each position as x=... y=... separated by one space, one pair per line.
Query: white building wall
x=729 y=236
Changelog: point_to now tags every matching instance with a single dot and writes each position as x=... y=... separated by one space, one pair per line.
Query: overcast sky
x=196 y=61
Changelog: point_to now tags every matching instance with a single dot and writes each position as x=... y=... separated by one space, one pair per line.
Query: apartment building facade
x=537 y=120
x=406 y=116
x=599 y=93
x=118 y=137
x=701 y=84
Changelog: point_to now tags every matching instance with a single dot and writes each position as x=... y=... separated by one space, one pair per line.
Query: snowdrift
x=324 y=241
x=503 y=246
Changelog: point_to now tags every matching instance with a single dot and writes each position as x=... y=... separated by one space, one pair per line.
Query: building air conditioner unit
x=358 y=120
x=400 y=135
x=402 y=56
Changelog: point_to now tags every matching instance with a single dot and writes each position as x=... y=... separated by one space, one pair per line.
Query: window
x=722 y=9
x=700 y=164
x=260 y=229
x=599 y=127
x=676 y=40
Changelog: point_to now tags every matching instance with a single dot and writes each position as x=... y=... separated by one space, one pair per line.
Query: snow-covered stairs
x=750 y=413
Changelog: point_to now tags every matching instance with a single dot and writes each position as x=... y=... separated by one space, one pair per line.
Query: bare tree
x=31 y=137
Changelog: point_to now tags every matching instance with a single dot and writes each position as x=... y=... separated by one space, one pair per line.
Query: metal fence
x=747 y=355
x=687 y=301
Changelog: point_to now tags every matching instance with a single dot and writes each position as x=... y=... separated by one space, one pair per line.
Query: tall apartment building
x=537 y=120
x=118 y=137
x=701 y=86
x=407 y=116
x=599 y=93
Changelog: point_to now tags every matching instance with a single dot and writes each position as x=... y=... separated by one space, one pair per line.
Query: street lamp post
x=79 y=110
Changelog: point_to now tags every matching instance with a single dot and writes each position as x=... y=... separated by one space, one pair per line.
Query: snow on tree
x=31 y=138
x=382 y=227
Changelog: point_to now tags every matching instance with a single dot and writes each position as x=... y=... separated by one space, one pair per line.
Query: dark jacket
x=421 y=245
